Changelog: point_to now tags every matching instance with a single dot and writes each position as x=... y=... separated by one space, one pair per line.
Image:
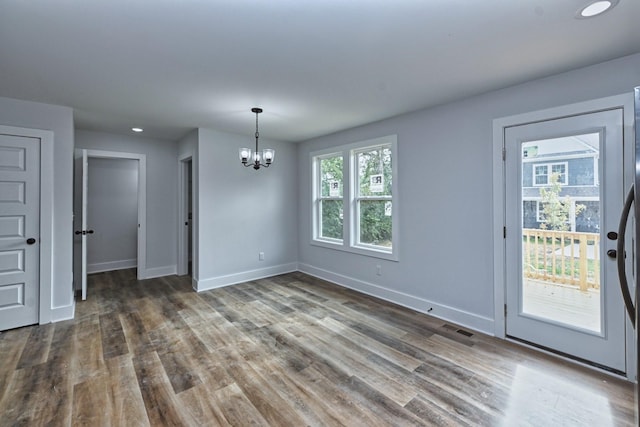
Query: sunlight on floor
x=539 y=399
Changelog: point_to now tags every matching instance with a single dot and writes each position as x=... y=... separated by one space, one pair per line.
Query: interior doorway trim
x=45 y=310
x=142 y=201
x=624 y=101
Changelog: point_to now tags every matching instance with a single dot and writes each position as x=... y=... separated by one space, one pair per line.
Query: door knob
x=31 y=241
x=84 y=232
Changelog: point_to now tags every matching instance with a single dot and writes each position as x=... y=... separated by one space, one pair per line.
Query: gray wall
x=59 y=120
x=445 y=200
x=241 y=212
x=112 y=212
x=162 y=193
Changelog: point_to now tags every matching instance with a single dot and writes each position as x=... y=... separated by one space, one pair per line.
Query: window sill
x=358 y=250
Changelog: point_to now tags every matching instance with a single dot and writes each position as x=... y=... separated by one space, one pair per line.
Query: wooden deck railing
x=562 y=257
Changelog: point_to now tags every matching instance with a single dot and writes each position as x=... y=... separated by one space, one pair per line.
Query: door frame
x=46 y=137
x=142 y=200
x=183 y=199
x=626 y=103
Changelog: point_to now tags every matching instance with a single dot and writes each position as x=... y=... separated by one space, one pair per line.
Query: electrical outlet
x=379 y=270
x=261 y=256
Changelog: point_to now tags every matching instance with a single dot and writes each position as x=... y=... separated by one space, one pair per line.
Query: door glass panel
x=561 y=231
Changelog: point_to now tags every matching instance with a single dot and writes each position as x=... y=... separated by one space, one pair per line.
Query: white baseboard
x=166 y=270
x=231 y=279
x=449 y=314
x=67 y=312
x=99 y=267
x=149 y=273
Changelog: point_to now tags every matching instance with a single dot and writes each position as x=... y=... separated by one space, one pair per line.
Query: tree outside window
x=375 y=176
x=331 y=202
x=556 y=210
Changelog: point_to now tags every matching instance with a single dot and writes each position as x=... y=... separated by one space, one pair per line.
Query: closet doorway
x=187 y=258
x=109 y=213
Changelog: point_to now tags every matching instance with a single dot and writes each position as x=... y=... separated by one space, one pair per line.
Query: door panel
x=564 y=192
x=12 y=226
x=19 y=221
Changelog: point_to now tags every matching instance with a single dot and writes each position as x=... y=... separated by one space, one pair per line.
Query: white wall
x=112 y=212
x=162 y=179
x=241 y=212
x=59 y=120
x=445 y=180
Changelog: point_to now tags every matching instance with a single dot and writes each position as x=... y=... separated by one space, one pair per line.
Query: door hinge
x=504 y=154
x=505 y=310
x=504 y=232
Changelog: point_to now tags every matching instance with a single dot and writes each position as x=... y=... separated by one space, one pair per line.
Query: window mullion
x=349 y=196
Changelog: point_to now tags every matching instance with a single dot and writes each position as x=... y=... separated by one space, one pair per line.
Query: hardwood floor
x=290 y=350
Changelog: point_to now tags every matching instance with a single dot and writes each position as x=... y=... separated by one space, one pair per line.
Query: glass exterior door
x=564 y=193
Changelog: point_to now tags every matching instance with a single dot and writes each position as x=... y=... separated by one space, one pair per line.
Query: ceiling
x=315 y=66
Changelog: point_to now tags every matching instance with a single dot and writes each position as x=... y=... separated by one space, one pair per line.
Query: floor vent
x=465 y=333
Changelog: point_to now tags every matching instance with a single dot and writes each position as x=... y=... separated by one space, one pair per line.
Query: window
x=543 y=173
x=354 y=187
x=330 y=202
x=373 y=196
x=540 y=212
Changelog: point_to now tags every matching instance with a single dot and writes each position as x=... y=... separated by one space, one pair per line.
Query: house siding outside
x=582 y=188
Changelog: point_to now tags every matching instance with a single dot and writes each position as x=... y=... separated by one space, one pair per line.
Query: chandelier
x=257 y=157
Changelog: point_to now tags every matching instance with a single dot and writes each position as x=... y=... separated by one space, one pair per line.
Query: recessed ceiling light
x=596 y=8
x=137 y=129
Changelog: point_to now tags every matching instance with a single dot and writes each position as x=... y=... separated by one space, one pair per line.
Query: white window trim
x=539 y=212
x=350 y=238
x=582 y=199
x=549 y=166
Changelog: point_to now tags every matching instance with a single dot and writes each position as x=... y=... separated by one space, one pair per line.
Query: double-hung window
x=354 y=189
x=542 y=173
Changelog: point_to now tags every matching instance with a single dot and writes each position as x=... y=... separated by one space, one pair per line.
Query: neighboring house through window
x=542 y=173
x=574 y=161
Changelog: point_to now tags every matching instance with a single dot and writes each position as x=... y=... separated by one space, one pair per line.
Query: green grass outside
x=535 y=259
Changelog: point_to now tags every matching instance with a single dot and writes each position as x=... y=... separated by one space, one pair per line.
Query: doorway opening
x=112 y=209
x=187 y=259
x=132 y=170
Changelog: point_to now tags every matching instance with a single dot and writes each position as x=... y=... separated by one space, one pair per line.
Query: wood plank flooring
x=290 y=350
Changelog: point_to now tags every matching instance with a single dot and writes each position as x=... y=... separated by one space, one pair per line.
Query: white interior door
x=19 y=230
x=564 y=192
x=81 y=231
